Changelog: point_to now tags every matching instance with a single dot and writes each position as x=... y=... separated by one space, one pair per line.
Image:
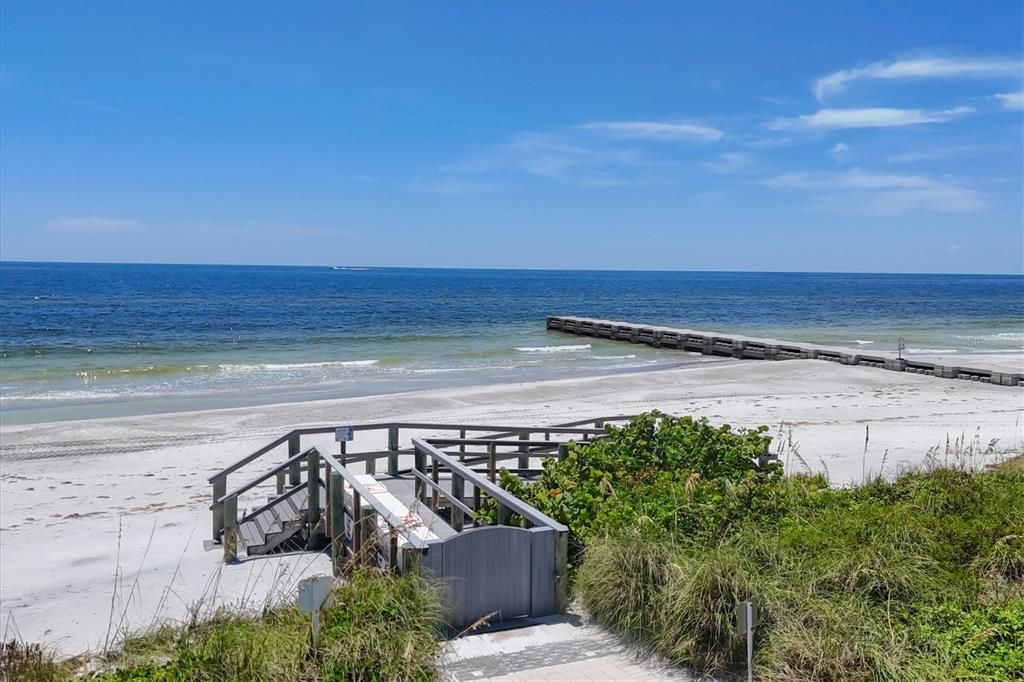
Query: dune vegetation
x=377 y=626
x=675 y=520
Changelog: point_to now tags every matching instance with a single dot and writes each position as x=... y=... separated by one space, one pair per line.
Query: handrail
x=250 y=458
x=500 y=495
x=259 y=479
x=357 y=487
x=503 y=431
x=268 y=505
x=446 y=494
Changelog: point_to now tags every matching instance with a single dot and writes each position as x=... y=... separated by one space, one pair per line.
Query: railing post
x=357 y=525
x=561 y=571
x=337 y=497
x=393 y=549
x=433 y=491
x=524 y=462
x=503 y=515
x=462 y=446
x=280 y=483
x=419 y=463
x=294 y=472
x=220 y=485
x=312 y=490
x=393 y=454
x=230 y=529
x=368 y=536
x=492 y=461
x=458 y=492
x=563 y=451
x=476 y=506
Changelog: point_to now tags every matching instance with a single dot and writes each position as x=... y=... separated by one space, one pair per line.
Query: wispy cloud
x=662 y=131
x=730 y=162
x=94 y=224
x=1011 y=100
x=871 y=117
x=840 y=151
x=859 y=192
x=918 y=68
x=450 y=186
x=554 y=157
x=939 y=152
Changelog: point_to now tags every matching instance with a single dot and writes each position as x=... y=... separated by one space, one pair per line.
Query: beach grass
x=919 y=577
x=376 y=626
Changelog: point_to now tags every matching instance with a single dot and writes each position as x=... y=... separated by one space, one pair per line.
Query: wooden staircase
x=281 y=525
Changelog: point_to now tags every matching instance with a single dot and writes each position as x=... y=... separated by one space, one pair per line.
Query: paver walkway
x=562 y=649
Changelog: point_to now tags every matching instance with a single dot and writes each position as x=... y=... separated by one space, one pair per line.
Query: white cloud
x=917 y=68
x=94 y=224
x=862 y=193
x=730 y=162
x=662 y=131
x=939 y=152
x=872 y=117
x=1011 y=100
x=552 y=157
x=839 y=151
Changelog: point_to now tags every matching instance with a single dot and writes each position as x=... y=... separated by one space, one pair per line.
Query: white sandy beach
x=83 y=502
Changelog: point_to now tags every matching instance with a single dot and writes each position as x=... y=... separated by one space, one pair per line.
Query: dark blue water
x=111 y=339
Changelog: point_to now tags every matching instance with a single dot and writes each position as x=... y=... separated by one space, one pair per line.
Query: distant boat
x=344 y=267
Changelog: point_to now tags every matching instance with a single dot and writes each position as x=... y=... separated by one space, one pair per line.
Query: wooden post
x=220 y=485
x=327 y=500
x=368 y=537
x=294 y=471
x=434 y=476
x=503 y=515
x=419 y=463
x=231 y=529
x=393 y=549
x=357 y=525
x=562 y=571
x=280 y=483
x=493 y=464
x=337 y=486
x=476 y=506
x=563 y=451
x=393 y=455
x=462 y=446
x=312 y=490
x=458 y=492
x=524 y=462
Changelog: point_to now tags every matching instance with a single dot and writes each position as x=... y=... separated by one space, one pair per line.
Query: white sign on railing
x=343 y=434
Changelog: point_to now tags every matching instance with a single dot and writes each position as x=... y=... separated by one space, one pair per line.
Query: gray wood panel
x=483 y=571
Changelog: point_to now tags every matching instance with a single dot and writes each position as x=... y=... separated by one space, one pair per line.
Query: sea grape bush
x=660 y=474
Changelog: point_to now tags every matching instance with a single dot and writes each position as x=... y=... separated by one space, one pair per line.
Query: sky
x=849 y=137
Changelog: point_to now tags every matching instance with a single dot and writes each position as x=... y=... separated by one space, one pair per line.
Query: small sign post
x=746 y=617
x=901 y=345
x=313 y=594
x=343 y=434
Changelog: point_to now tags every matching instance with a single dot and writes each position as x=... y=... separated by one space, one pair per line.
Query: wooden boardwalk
x=746 y=347
x=446 y=516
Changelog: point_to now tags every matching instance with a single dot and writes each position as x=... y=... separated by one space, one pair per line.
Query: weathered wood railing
x=289 y=473
x=507 y=504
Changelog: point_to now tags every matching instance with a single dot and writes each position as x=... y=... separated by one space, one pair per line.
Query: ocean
x=95 y=340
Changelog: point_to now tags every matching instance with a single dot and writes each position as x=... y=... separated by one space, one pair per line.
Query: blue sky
x=880 y=137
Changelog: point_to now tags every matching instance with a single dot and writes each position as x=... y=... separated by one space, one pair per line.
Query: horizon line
x=4 y=261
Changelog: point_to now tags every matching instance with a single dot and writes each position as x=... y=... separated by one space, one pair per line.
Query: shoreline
x=84 y=499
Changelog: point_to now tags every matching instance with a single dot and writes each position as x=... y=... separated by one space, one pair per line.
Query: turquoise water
x=87 y=340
